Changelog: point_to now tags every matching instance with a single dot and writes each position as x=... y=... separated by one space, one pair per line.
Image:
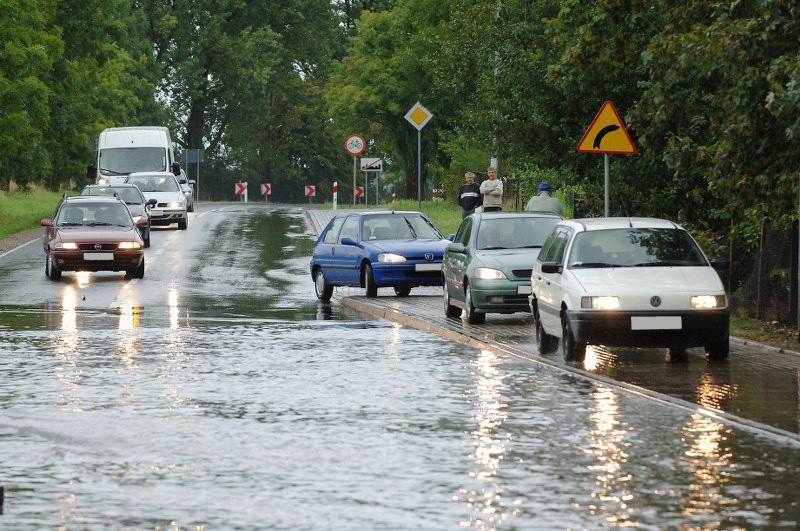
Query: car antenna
x=627 y=213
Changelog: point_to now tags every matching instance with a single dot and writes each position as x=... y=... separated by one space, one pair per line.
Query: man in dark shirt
x=469 y=197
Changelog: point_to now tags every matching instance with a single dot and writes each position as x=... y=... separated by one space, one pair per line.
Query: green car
x=487 y=268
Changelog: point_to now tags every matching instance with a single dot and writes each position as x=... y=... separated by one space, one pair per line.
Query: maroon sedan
x=93 y=233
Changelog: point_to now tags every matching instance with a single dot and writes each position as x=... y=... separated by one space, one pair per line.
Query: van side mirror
x=176 y=169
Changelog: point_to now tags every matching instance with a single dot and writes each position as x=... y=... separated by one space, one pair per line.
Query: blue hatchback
x=401 y=250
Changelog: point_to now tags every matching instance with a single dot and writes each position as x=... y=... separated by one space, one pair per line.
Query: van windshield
x=121 y=161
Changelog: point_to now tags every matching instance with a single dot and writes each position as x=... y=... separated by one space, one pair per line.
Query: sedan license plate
x=427 y=267
x=156 y=212
x=98 y=256
x=661 y=322
x=524 y=290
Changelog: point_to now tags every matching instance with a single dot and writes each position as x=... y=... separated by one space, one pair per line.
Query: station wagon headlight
x=391 y=258
x=129 y=245
x=175 y=204
x=600 y=303
x=69 y=246
x=487 y=273
x=704 y=302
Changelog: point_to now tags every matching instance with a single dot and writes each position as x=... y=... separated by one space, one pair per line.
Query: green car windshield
x=632 y=247
x=522 y=232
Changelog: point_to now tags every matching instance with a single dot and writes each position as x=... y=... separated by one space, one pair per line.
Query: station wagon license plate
x=524 y=290
x=156 y=212
x=660 y=322
x=98 y=256
x=427 y=267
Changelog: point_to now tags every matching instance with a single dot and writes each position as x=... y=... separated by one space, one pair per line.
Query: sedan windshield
x=128 y=194
x=523 y=232
x=154 y=184
x=399 y=227
x=94 y=215
x=635 y=248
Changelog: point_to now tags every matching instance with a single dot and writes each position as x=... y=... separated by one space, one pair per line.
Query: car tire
x=402 y=291
x=473 y=317
x=544 y=342
x=574 y=350
x=323 y=290
x=718 y=350
x=183 y=223
x=50 y=270
x=677 y=355
x=369 y=281
x=450 y=310
x=146 y=238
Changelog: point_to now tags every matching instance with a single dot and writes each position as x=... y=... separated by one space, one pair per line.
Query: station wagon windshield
x=399 y=227
x=633 y=247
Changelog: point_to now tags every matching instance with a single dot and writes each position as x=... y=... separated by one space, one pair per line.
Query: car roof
x=590 y=224
x=151 y=174
x=92 y=199
x=513 y=214
x=381 y=212
x=119 y=185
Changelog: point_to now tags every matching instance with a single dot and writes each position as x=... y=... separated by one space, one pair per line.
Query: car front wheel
x=473 y=317
x=544 y=341
x=322 y=288
x=718 y=350
x=574 y=350
x=369 y=281
x=50 y=270
x=183 y=223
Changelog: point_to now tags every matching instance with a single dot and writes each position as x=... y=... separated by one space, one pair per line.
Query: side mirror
x=176 y=169
x=551 y=267
x=141 y=222
x=456 y=248
x=152 y=201
x=721 y=264
x=348 y=241
x=47 y=223
x=451 y=237
x=192 y=182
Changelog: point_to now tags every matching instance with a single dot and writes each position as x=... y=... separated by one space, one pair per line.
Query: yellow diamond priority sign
x=418 y=116
x=607 y=134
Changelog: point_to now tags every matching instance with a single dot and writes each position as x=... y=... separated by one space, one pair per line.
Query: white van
x=124 y=150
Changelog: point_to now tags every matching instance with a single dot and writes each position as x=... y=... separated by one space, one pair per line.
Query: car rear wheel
x=322 y=288
x=574 y=350
x=50 y=270
x=677 y=355
x=718 y=350
x=473 y=317
x=449 y=309
x=369 y=281
x=544 y=341
x=402 y=292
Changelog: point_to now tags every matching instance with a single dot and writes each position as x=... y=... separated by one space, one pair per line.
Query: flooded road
x=216 y=393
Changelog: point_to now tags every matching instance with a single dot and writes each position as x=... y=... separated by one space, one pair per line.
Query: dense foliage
x=709 y=91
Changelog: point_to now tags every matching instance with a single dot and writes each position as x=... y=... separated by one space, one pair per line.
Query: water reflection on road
x=233 y=404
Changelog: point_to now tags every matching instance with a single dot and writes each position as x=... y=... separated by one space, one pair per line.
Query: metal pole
x=366 y=188
x=798 y=261
x=354 y=181
x=605 y=161
x=419 y=167
x=197 y=180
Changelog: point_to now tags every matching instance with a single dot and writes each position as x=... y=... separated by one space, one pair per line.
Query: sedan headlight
x=129 y=245
x=704 y=302
x=600 y=303
x=391 y=258
x=487 y=273
x=175 y=204
x=69 y=246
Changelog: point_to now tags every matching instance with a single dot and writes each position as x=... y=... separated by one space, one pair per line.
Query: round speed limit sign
x=355 y=145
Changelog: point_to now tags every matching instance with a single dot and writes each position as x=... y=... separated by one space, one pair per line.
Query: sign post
x=335 y=193
x=266 y=191
x=607 y=135
x=355 y=146
x=419 y=116
x=369 y=164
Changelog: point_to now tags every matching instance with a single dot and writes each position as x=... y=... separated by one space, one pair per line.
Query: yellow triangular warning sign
x=607 y=134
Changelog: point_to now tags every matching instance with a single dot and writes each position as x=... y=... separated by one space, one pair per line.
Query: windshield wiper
x=593 y=265
x=100 y=223
x=663 y=263
x=113 y=172
x=413 y=232
x=492 y=248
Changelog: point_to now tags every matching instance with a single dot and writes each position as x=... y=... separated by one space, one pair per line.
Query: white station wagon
x=636 y=282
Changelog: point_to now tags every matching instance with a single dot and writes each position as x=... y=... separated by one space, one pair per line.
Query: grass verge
x=21 y=211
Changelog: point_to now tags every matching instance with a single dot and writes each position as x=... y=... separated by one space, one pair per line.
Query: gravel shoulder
x=15 y=240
